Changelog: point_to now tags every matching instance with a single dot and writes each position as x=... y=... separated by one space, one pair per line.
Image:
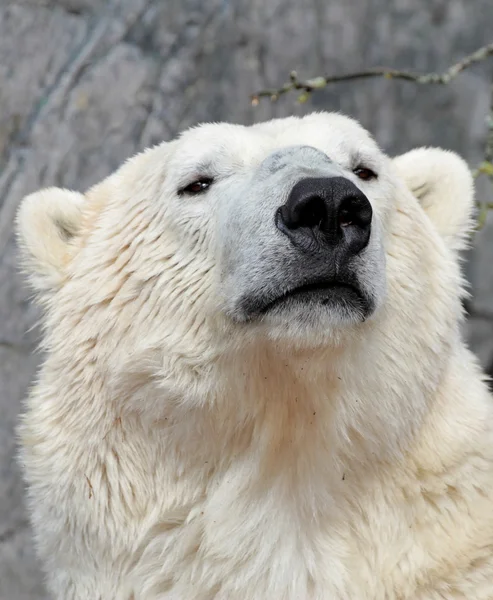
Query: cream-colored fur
x=50 y=219
x=172 y=454
x=429 y=172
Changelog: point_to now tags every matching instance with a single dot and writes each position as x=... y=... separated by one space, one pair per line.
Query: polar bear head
x=233 y=245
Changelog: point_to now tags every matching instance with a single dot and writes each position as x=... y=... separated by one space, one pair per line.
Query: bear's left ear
x=443 y=184
x=48 y=224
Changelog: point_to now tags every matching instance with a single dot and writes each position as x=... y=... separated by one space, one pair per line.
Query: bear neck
x=296 y=414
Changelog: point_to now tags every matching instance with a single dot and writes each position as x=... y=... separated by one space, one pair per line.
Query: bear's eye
x=197 y=187
x=364 y=173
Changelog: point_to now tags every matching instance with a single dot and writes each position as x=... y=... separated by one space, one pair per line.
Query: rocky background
x=86 y=83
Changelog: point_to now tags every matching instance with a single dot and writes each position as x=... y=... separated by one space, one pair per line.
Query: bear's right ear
x=48 y=223
x=443 y=184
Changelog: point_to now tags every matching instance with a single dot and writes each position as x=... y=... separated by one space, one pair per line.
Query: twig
x=317 y=83
x=486 y=167
x=488 y=152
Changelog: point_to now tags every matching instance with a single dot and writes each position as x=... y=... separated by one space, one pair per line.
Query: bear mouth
x=332 y=294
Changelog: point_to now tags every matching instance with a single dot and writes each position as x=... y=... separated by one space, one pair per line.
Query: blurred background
x=86 y=83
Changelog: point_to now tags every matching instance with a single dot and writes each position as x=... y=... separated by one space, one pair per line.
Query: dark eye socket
x=197 y=187
x=364 y=173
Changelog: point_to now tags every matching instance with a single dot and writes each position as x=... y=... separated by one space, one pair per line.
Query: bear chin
x=320 y=321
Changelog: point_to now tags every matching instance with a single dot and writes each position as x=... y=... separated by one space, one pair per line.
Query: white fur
x=49 y=219
x=432 y=172
x=172 y=454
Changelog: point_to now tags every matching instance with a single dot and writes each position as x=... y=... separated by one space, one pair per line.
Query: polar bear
x=255 y=385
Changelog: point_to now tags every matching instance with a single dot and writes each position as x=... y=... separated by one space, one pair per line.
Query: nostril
x=345 y=216
x=314 y=213
x=309 y=212
x=354 y=211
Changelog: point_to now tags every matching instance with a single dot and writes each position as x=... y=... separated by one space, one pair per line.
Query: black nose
x=326 y=211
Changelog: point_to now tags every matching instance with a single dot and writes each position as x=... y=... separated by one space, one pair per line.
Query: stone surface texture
x=86 y=83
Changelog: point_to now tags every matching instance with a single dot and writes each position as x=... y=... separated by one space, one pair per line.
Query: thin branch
x=486 y=167
x=488 y=153
x=317 y=83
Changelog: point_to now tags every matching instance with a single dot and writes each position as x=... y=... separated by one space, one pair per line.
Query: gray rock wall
x=86 y=83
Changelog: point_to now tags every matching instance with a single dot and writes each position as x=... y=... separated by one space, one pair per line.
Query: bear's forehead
x=339 y=136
